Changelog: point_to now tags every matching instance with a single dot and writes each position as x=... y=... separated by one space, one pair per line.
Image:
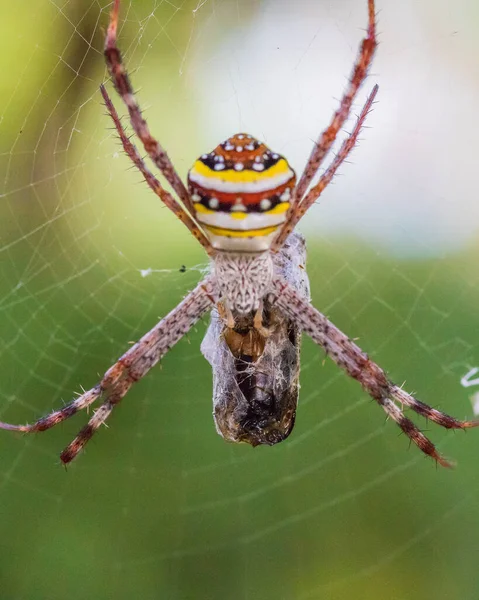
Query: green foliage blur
x=159 y=506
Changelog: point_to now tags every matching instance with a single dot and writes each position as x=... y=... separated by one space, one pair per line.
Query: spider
x=242 y=204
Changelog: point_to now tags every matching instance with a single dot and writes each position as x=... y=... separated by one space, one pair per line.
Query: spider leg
x=347 y=355
x=434 y=415
x=299 y=209
x=413 y=432
x=151 y=180
x=123 y=86
x=131 y=367
x=358 y=75
x=58 y=416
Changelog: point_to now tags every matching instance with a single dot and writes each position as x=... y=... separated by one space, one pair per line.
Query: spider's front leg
x=347 y=355
x=129 y=368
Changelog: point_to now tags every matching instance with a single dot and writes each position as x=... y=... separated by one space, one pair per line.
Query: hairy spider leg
x=299 y=209
x=358 y=75
x=123 y=86
x=347 y=355
x=129 y=368
x=151 y=180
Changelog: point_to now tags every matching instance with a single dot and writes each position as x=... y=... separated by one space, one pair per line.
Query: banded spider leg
x=347 y=355
x=124 y=88
x=151 y=180
x=129 y=368
x=325 y=141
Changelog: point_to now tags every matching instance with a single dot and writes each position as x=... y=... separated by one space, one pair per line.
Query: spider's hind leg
x=300 y=207
x=304 y=200
x=151 y=180
x=124 y=88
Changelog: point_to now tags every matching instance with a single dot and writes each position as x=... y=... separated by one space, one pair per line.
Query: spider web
x=158 y=505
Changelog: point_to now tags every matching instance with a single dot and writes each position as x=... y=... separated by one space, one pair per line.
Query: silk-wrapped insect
x=256 y=362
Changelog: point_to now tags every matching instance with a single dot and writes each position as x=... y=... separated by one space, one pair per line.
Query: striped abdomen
x=241 y=192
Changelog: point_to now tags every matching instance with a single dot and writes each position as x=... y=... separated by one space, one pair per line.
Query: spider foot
x=432 y=414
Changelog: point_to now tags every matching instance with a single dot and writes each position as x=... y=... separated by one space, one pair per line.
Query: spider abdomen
x=241 y=193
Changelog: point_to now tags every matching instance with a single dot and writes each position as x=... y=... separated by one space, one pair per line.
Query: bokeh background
x=159 y=506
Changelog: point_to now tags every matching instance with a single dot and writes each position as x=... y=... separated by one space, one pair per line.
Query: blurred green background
x=159 y=506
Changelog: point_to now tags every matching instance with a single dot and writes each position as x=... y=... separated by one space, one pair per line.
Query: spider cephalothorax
x=241 y=193
x=242 y=206
x=243 y=279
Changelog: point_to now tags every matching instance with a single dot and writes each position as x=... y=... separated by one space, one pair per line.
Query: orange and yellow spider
x=242 y=204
